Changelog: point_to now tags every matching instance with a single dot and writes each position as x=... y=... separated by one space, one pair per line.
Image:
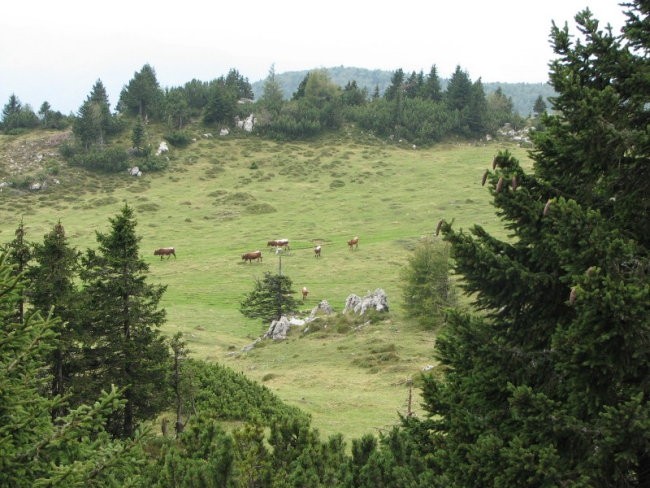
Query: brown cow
x=317 y=251
x=354 y=243
x=305 y=292
x=279 y=243
x=165 y=251
x=249 y=256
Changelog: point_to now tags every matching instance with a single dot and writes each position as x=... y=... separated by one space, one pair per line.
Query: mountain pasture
x=222 y=197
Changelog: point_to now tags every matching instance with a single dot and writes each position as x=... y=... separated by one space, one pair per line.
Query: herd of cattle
x=278 y=244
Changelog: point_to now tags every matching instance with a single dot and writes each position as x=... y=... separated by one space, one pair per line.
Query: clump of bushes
x=178 y=138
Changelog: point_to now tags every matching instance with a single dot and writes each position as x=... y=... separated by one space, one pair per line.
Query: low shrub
x=178 y=138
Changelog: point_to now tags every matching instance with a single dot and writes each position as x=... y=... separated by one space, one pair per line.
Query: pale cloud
x=55 y=51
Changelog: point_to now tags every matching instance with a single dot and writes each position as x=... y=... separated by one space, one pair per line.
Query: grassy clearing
x=224 y=196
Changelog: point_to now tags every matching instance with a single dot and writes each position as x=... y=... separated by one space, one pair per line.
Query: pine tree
x=123 y=345
x=52 y=288
x=548 y=385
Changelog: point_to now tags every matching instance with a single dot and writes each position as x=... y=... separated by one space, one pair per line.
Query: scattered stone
x=224 y=132
x=162 y=148
x=252 y=345
x=323 y=308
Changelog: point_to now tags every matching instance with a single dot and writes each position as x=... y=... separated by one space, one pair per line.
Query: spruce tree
x=52 y=289
x=18 y=255
x=94 y=121
x=547 y=384
x=270 y=299
x=142 y=96
x=123 y=344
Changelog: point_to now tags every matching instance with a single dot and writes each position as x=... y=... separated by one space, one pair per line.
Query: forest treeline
x=413 y=107
x=544 y=381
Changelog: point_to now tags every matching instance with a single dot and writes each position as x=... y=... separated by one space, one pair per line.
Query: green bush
x=426 y=286
x=110 y=160
x=178 y=138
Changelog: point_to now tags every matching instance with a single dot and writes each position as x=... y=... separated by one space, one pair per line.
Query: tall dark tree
x=123 y=344
x=396 y=86
x=239 y=84
x=300 y=91
x=177 y=109
x=539 y=107
x=432 y=89
x=548 y=385
x=413 y=84
x=94 y=122
x=352 y=95
x=142 y=96
x=221 y=105
x=459 y=90
x=19 y=254
x=52 y=289
x=476 y=113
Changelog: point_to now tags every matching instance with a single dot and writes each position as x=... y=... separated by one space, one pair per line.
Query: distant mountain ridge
x=523 y=94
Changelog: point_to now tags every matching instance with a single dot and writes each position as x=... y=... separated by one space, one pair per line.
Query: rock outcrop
x=377 y=300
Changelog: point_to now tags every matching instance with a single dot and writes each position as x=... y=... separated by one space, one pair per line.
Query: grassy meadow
x=223 y=196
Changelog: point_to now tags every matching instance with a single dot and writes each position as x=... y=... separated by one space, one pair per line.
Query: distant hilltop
x=523 y=95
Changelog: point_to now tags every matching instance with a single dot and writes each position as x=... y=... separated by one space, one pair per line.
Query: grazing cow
x=165 y=251
x=317 y=251
x=279 y=243
x=249 y=256
x=305 y=292
x=354 y=243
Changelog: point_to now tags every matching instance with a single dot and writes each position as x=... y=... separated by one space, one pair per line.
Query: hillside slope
x=221 y=197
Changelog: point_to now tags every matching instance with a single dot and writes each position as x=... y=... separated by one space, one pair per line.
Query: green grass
x=221 y=197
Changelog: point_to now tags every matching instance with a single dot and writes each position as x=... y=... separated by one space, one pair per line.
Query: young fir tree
x=270 y=299
x=548 y=384
x=18 y=255
x=123 y=344
x=52 y=288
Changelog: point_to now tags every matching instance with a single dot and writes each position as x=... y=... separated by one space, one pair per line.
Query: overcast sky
x=56 y=50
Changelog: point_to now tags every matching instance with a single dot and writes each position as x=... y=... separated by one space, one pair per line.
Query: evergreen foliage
x=18 y=255
x=35 y=450
x=142 y=96
x=52 y=289
x=271 y=298
x=548 y=386
x=122 y=342
x=94 y=122
x=427 y=290
x=17 y=117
